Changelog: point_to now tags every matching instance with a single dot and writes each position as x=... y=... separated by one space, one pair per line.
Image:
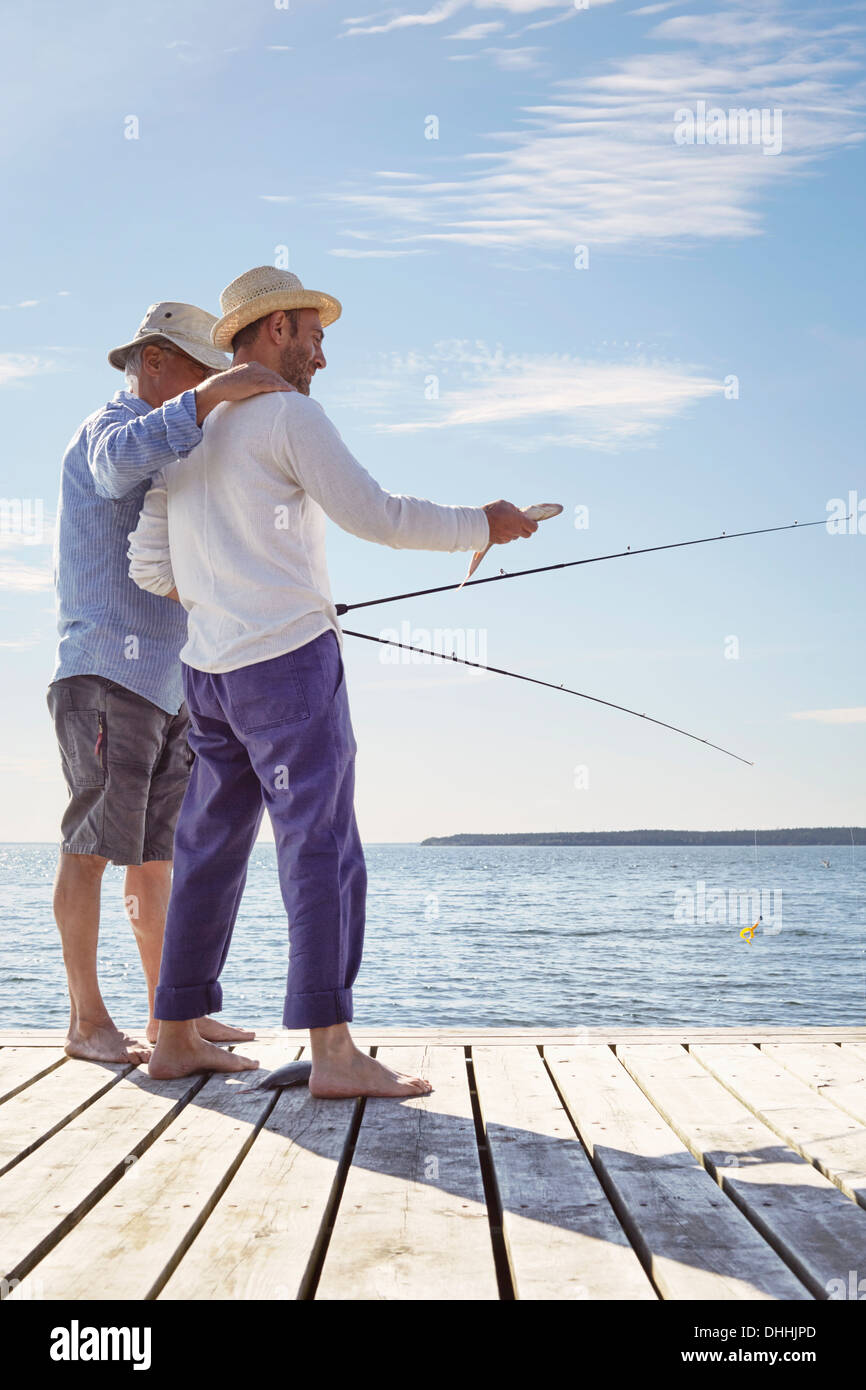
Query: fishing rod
x=569 y=564
x=443 y=656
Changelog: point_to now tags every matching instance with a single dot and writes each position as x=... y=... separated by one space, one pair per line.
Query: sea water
x=510 y=937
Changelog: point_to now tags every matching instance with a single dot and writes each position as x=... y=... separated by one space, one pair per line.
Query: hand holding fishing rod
x=509 y=525
x=507 y=522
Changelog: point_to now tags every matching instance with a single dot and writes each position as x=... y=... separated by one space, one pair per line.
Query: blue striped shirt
x=109 y=626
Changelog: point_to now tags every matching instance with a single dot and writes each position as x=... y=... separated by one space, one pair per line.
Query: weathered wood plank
x=814 y=1127
x=42 y=1197
x=609 y=1034
x=33 y=1037
x=52 y=1101
x=814 y=1226
x=19 y=1066
x=259 y=1240
x=412 y=1222
x=122 y=1246
x=563 y=1239
x=694 y=1242
x=834 y=1074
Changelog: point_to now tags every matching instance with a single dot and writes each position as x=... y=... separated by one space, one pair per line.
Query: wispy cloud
x=350 y=253
x=24 y=528
x=19 y=366
x=598 y=163
x=387 y=21
x=185 y=49
x=32 y=303
x=194 y=52
x=855 y=715
x=448 y=9
x=24 y=522
x=16 y=577
x=514 y=59
x=570 y=13
x=507 y=59
x=22 y=644
x=656 y=9
x=559 y=400
x=477 y=31
x=445 y=10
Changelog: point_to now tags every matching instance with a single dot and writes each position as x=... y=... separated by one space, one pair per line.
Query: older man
x=238 y=528
x=116 y=694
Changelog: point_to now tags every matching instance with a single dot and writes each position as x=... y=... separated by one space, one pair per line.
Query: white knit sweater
x=238 y=528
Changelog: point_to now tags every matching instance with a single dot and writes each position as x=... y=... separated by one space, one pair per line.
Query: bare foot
x=210 y=1029
x=170 y=1060
x=104 y=1043
x=355 y=1073
x=213 y=1031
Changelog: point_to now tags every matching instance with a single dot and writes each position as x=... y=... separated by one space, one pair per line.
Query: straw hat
x=187 y=327
x=262 y=291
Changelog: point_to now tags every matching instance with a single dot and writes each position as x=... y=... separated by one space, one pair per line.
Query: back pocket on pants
x=267 y=694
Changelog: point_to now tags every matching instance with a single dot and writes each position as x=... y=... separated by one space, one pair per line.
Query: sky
x=568 y=273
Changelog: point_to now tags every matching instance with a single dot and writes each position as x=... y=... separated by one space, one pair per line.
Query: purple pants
x=274 y=735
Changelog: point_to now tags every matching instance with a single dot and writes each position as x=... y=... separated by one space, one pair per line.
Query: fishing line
x=342 y=608
x=443 y=656
x=570 y=564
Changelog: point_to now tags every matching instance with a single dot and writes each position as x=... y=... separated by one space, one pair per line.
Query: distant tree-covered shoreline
x=821 y=835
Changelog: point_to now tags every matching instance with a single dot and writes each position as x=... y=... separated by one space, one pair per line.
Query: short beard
x=296 y=367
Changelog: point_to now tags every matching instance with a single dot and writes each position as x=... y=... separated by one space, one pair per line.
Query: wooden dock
x=626 y=1164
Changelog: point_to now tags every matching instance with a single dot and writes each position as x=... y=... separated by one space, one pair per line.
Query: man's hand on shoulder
x=236 y=384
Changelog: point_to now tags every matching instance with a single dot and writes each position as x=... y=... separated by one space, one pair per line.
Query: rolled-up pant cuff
x=192 y=1001
x=321 y=1010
